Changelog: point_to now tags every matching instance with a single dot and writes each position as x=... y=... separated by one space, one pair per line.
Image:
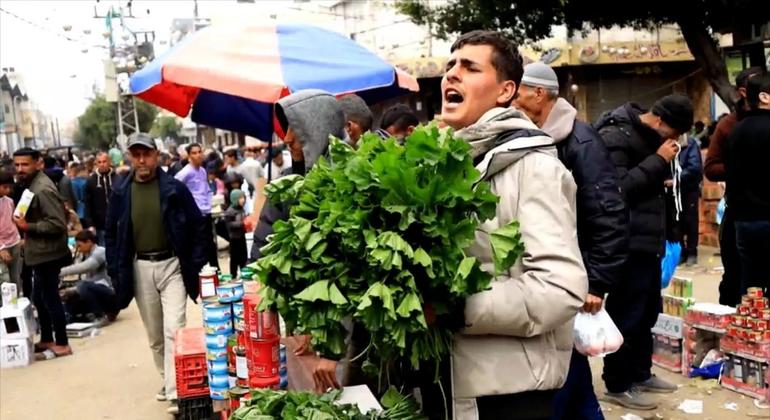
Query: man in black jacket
x=749 y=192
x=601 y=215
x=642 y=145
x=155 y=247
x=98 y=190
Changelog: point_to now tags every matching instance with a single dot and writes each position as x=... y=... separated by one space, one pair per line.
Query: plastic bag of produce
x=595 y=334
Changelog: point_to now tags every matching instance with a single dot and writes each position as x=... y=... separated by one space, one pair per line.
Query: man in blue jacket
x=690 y=184
x=155 y=248
x=601 y=215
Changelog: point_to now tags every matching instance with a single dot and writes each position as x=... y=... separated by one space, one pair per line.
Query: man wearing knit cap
x=642 y=145
x=602 y=224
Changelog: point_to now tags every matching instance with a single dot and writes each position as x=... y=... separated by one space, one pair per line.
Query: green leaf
x=506 y=246
x=316 y=291
x=391 y=398
x=422 y=258
x=336 y=296
x=410 y=303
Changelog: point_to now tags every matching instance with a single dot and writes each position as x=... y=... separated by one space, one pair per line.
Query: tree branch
x=708 y=56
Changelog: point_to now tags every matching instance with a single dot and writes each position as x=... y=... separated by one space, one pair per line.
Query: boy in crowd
x=10 y=240
x=94 y=287
x=234 y=216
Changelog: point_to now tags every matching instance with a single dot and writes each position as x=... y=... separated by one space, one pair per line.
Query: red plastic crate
x=190 y=363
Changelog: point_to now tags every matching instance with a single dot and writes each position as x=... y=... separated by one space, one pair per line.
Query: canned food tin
x=765 y=314
x=754 y=312
x=236 y=395
x=754 y=292
x=218 y=393
x=744 y=310
x=761 y=325
x=760 y=303
x=230 y=292
x=238 y=309
x=262 y=383
x=765 y=336
x=282 y=354
x=264 y=325
x=745 y=334
x=751 y=323
x=216 y=353
x=747 y=300
x=239 y=324
x=265 y=360
x=225 y=278
x=218 y=380
x=732 y=331
x=217 y=367
x=224 y=327
x=217 y=312
x=241 y=367
x=216 y=340
x=739 y=321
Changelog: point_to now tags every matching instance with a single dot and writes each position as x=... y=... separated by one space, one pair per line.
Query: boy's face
x=241 y=200
x=84 y=247
x=5 y=190
x=470 y=86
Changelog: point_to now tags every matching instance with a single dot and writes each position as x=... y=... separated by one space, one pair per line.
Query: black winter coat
x=184 y=228
x=633 y=149
x=96 y=202
x=602 y=219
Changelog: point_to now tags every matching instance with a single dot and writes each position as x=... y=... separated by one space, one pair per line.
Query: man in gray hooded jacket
x=601 y=215
x=514 y=349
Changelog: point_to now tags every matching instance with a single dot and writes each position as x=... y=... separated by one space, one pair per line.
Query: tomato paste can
x=754 y=312
x=754 y=292
x=751 y=323
x=265 y=360
x=739 y=321
x=761 y=325
x=760 y=303
x=744 y=310
x=765 y=314
x=208 y=282
x=264 y=325
x=236 y=396
x=265 y=383
x=250 y=303
x=732 y=331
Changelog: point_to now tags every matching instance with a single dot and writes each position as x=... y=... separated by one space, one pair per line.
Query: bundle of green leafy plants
x=377 y=235
x=267 y=404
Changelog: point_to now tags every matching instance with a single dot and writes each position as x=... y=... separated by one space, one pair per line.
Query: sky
x=59 y=73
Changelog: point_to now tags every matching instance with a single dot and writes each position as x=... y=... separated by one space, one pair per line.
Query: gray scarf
x=483 y=135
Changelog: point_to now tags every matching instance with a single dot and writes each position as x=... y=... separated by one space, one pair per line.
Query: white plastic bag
x=595 y=334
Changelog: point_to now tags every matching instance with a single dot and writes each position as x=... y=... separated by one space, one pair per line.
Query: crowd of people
x=596 y=204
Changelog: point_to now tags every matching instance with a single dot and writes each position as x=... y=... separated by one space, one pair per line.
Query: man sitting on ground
x=93 y=288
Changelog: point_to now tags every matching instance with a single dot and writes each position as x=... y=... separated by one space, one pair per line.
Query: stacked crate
x=708 y=227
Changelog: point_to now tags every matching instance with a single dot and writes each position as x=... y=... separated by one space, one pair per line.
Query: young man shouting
x=514 y=349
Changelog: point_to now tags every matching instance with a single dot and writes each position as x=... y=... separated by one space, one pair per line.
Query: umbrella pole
x=269 y=161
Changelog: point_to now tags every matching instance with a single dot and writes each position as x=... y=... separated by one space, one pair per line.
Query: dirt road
x=111 y=376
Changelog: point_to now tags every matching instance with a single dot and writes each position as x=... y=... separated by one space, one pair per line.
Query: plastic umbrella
x=231 y=75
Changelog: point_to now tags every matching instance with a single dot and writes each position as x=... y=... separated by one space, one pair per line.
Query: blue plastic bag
x=721 y=210
x=707 y=372
x=669 y=262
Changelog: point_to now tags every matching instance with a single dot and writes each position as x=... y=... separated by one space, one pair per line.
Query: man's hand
x=593 y=304
x=668 y=150
x=21 y=223
x=668 y=183
x=6 y=256
x=325 y=376
x=304 y=345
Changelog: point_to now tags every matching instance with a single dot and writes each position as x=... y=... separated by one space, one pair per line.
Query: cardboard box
x=16 y=352
x=17 y=321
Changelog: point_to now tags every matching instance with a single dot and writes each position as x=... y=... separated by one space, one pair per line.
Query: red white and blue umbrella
x=231 y=75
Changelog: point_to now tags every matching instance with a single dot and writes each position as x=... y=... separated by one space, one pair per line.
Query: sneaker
x=173 y=408
x=655 y=384
x=161 y=395
x=631 y=399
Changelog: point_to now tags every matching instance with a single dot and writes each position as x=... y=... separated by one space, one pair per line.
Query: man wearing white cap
x=601 y=217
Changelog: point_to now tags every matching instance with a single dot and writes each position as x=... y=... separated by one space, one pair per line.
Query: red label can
x=754 y=292
x=261 y=383
x=265 y=358
x=744 y=310
x=739 y=321
x=765 y=314
x=761 y=325
x=760 y=303
x=264 y=326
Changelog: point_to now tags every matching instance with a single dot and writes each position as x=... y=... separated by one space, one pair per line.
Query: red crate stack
x=190 y=362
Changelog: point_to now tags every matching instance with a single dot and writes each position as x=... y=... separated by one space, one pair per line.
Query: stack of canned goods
x=218 y=324
x=262 y=344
